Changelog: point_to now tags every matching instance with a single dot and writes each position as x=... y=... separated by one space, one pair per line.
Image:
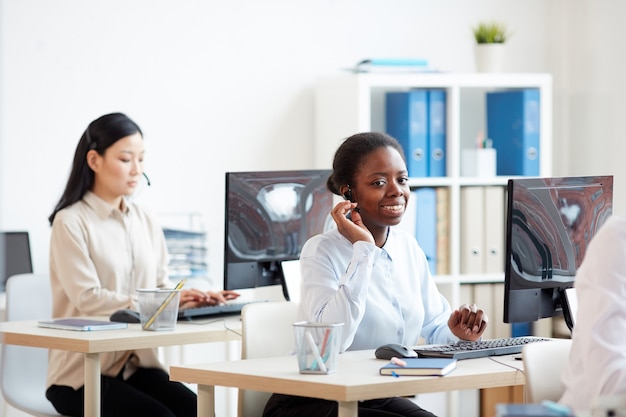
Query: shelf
x=460 y=181
x=469 y=279
x=445 y=80
x=186 y=245
x=349 y=103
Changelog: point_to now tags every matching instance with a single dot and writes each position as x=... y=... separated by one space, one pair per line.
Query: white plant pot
x=489 y=57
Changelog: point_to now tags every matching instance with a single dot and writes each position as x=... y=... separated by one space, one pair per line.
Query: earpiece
x=348 y=194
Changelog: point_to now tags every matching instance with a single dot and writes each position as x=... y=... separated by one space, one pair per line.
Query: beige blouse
x=99 y=256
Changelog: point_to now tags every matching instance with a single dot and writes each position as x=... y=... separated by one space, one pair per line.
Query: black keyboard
x=490 y=347
x=212 y=311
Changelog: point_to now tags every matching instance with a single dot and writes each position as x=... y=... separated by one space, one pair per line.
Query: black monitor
x=268 y=218
x=14 y=255
x=550 y=222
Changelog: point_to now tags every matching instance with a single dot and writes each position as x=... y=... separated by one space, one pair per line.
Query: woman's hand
x=195 y=298
x=352 y=229
x=468 y=322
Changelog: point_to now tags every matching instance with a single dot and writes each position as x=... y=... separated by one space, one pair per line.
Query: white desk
x=356 y=379
x=26 y=333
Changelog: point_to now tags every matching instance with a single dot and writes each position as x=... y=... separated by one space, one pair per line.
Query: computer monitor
x=14 y=255
x=550 y=222
x=268 y=218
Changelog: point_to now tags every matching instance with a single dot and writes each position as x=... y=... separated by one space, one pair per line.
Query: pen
x=164 y=304
x=316 y=352
x=325 y=342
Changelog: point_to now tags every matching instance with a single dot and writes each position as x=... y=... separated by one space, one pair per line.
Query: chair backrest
x=23 y=370
x=543 y=363
x=291 y=275
x=267 y=331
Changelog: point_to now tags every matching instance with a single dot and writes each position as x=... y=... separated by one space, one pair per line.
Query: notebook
x=419 y=367
x=83 y=325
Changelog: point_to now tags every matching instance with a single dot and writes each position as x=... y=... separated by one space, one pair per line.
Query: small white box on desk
x=479 y=162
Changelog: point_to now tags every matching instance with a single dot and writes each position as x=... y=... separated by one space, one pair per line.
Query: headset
x=348 y=194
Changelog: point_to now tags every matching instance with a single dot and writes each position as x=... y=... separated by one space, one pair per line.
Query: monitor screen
x=550 y=222
x=14 y=255
x=268 y=218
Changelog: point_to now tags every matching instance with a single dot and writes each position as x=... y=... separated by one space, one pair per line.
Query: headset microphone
x=147 y=179
x=348 y=195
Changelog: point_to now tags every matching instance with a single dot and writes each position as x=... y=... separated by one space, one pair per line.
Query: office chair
x=543 y=363
x=291 y=276
x=267 y=331
x=23 y=369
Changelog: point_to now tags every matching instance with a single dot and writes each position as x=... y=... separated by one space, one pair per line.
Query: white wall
x=593 y=92
x=216 y=86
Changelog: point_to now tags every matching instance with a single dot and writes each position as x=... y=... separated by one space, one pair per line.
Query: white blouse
x=382 y=295
x=99 y=256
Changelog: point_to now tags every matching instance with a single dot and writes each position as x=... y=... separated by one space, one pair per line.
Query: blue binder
x=513 y=126
x=406 y=115
x=426 y=224
x=437 y=133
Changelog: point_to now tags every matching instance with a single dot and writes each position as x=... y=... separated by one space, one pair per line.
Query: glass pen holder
x=317 y=346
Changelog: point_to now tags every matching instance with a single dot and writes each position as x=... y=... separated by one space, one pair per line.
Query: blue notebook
x=82 y=325
x=420 y=367
x=533 y=409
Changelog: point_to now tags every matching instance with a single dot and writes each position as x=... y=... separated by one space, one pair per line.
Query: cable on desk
x=231 y=330
x=514 y=367
x=211 y=321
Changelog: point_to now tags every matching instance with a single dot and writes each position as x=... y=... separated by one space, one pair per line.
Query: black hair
x=99 y=136
x=350 y=154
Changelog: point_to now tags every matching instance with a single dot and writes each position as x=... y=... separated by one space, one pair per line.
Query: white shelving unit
x=349 y=103
x=187 y=247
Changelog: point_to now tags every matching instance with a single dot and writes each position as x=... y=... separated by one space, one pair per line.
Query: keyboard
x=212 y=311
x=478 y=349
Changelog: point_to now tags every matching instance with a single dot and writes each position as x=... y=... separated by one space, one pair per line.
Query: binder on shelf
x=513 y=126
x=437 y=132
x=472 y=230
x=482 y=295
x=406 y=117
x=443 y=230
x=426 y=230
x=496 y=316
x=494 y=229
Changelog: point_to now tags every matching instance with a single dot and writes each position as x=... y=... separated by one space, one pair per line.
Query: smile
x=399 y=207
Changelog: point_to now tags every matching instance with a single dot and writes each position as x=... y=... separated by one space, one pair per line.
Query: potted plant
x=490 y=40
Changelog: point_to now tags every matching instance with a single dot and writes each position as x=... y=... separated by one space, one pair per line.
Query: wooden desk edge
x=328 y=389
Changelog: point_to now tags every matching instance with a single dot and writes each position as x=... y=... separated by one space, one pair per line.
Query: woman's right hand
x=196 y=298
x=352 y=229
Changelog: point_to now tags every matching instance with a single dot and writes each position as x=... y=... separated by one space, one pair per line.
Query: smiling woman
x=370 y=276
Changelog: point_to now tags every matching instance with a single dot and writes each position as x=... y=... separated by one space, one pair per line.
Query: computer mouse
x=125 y=315
x=390 y=350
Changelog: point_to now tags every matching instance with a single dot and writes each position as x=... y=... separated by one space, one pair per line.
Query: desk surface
x=27 y=333
x=93 y=343
x=357 y=377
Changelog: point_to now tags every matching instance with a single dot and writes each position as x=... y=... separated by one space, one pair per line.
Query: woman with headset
x=102 y=248
x=372 y=277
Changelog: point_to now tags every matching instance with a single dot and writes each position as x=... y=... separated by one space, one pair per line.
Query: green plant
x=490 y=33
